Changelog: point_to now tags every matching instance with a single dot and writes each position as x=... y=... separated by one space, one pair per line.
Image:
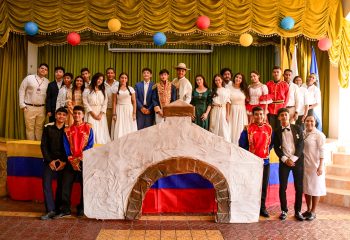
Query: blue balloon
x=159 y=39
x=31 y=28
x=287 y=23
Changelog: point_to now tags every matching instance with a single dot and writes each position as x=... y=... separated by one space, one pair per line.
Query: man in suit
x=54 y=161
x=289 y=145
x=52 y=93
x=145 y=111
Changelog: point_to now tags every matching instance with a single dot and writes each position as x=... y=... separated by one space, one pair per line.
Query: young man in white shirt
x=110 y=84
x=32 y=96
x=85 y=73
x=293 y=99
x=182 y=84
x=303 y=102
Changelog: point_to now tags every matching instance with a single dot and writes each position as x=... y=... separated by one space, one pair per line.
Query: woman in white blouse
x=124 y=108
x=258 y=95
x=95 y=103
x=314 y=174
x=219 y=114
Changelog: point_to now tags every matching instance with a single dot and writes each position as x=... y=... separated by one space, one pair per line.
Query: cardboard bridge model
x=118 y=175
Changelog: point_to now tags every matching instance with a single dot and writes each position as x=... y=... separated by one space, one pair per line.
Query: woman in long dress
x=124 y=108
x=258 y=95
x=201 y=100
x=314 y=173
x=219 y=119
x=238 y=113
x=75 y=97
x=95 y=104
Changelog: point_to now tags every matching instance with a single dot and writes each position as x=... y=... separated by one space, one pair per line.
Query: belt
x=35 y=105
x=278 y=102
x=290 y=106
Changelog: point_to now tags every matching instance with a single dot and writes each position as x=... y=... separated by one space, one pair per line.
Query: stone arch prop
x=111 y=171
x=180 y=165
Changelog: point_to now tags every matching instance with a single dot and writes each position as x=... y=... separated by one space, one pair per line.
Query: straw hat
x=182 y=66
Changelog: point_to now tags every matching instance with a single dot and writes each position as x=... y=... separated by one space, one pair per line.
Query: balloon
x=324 y=44
x=31 y=28
x=73 y=38
x=287 y=23
x=203 y=22
x=159 y=39
x=114 y=25
x=246 y=39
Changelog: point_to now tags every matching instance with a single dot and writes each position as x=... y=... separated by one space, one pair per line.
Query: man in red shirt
x=257 y=139
x=279 y=92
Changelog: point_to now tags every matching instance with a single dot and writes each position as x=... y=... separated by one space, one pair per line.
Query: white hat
x=182 y=66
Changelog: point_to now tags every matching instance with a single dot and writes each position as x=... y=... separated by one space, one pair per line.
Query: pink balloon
x=324 y=44
x=203 y=22
x=73 y=38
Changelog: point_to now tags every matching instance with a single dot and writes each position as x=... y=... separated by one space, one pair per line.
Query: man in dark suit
x=289 y=145
x=143 y=89
x=52 y=92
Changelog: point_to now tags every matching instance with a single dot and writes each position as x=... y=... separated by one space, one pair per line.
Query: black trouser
x=298 y=174
x=273 y=121
x=52 y=118
x=265 y=184
x=69 y=176
x=48 y=175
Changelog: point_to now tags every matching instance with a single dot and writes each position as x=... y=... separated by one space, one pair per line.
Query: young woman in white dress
x=219 y=117
x=95 y=104
x=314 y=174
x=238 y=113
x=258 y=95
x=124 y=108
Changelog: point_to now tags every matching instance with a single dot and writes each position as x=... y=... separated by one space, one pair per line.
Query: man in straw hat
x=182 y=84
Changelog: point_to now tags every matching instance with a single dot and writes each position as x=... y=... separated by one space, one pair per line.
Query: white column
x=32 y=58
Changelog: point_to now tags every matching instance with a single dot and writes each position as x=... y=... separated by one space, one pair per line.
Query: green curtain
x=97 y=58
x=13 y=68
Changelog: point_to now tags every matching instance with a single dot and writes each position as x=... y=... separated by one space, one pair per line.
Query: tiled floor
x=19 y=220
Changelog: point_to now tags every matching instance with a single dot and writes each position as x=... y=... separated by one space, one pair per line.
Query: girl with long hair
x=95 y=103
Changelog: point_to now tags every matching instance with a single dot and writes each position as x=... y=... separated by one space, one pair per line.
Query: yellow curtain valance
x=177 y=18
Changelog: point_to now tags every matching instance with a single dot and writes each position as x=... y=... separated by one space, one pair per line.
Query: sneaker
x=306 y=214
x=49 y=215
x=283 y=215
x=298 y=216
x=62 y=214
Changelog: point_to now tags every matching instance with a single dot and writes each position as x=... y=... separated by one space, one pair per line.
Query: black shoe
x=264 y=213
x=80 y=212
x=283 y=215
x=311 y=217
x=306 y=214
x=49 y=215
x=62 y=214
x=298 y=216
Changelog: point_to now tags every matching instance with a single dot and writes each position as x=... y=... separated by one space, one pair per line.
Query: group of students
x=242 y=114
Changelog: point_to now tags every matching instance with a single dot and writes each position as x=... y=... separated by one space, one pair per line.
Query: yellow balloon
x=114 y=25
x=246 y=40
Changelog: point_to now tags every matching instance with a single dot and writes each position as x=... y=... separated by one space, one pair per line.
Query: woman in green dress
x=201 y=100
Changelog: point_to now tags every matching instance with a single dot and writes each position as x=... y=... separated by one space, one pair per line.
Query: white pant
x=34 y=118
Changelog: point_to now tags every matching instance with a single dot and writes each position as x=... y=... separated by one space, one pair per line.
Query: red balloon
x=73 y=38
x=324 y=44
x=203 y=22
